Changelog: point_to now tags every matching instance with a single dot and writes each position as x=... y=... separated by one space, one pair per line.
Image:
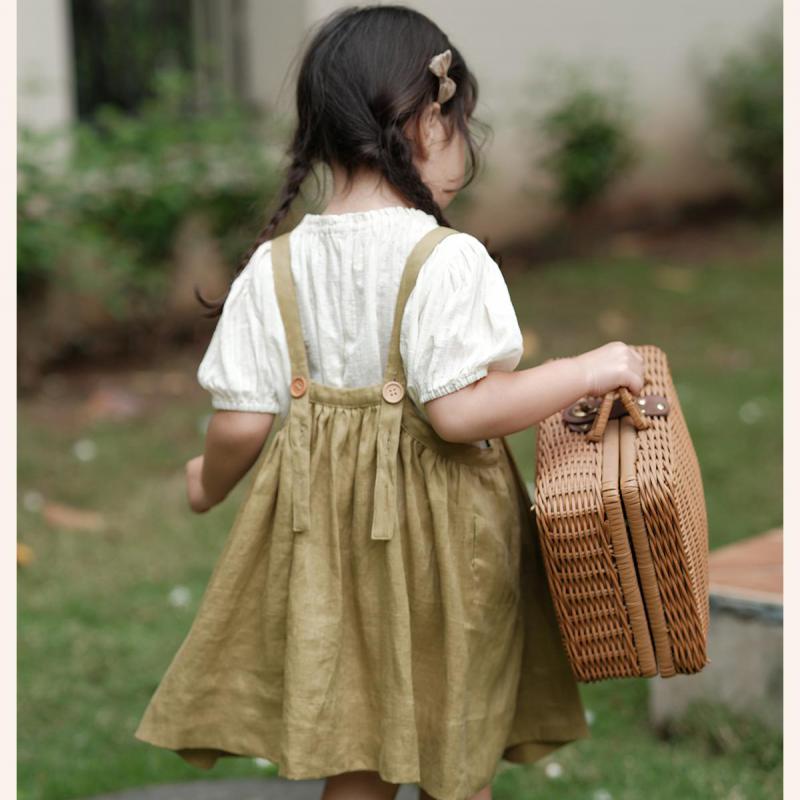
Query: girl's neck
x=367 y=191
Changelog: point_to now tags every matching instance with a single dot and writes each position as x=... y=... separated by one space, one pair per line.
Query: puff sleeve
x=459 y=321
x=241 y=367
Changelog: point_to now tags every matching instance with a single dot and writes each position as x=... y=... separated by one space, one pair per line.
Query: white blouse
x=458 y=322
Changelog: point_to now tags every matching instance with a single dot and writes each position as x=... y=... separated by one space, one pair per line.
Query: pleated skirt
x=427 y=657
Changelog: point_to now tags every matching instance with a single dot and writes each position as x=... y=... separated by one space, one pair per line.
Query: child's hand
x=199 y=502
x=610 y=366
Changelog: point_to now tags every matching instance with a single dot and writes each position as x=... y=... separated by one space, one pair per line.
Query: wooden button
x=298 y=386
x=393 y=391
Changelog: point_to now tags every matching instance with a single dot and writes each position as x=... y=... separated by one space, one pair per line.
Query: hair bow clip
x=439 y=65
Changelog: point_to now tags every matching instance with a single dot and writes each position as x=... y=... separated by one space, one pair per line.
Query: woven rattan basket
x=621 y=518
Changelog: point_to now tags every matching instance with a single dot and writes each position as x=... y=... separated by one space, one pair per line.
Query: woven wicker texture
x=624 y=534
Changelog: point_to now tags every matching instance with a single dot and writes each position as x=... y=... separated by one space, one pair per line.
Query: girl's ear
x=426 y=129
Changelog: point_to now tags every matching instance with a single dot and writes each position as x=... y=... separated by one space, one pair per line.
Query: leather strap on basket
x=384 y=515
x=603 y=413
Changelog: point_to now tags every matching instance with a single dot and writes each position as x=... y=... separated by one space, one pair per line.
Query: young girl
x=379 y=613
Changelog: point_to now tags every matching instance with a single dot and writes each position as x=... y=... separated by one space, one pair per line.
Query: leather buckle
x=580 y=415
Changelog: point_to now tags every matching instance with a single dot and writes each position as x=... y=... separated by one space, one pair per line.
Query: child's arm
x=233 y=442
x=502 y=403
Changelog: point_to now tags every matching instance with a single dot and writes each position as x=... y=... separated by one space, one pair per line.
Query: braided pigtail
x=394 y=157
x=295 y=175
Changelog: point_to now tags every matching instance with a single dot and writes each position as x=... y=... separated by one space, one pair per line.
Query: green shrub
x=130 y=180
x=39 y=228
x=588 y=140
x=745 y=103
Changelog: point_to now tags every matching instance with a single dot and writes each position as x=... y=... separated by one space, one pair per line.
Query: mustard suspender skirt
x=380 y=602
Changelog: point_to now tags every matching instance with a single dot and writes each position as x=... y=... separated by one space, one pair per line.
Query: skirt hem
x=207 y=757
x=531 y=750
x=527 y=751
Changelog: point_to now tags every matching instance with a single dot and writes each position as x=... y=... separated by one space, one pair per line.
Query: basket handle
x=595 y=434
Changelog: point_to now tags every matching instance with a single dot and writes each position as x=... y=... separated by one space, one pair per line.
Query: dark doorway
x=120 y=45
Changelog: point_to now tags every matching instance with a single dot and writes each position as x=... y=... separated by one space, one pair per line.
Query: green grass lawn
x=97 y=628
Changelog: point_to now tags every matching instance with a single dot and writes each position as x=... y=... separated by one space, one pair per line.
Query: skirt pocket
x=494 y=562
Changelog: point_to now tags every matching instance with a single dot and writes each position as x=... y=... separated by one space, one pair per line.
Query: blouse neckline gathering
x=351 y=219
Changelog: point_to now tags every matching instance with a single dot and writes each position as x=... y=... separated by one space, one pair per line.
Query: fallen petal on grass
x=112 y=403
x=84 y=450
x=180 y=597
x=553 y=769
x=751 y=411
x=33 y=501
x=25 y=554
x=76 y=519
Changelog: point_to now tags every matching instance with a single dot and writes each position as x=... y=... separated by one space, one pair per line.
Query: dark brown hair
x=363 y=76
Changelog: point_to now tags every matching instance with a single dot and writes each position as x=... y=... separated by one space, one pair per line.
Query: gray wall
x=44 y=64
x=507 y=44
